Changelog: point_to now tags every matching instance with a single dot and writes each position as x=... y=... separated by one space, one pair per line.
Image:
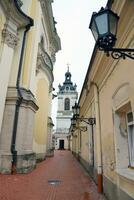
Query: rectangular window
x=130 y=124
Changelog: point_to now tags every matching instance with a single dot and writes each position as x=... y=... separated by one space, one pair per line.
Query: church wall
x=6 y=51
x=31 y=49
x=32 y=96
x=41 y=118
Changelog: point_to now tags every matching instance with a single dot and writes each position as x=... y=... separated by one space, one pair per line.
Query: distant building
x=67 y=97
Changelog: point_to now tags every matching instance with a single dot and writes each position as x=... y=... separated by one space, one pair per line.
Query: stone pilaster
x=8 y=37
x=50 y=148
x=26 y=159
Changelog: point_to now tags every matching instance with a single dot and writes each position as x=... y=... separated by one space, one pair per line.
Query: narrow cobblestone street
x=74 y=183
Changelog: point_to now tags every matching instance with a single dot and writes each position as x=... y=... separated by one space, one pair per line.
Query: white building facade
x=67 y=97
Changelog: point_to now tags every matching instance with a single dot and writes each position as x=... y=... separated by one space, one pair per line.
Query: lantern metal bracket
x=105 y=35
x=81 y=128
x=75 y=136
x=76 y=113
x=118 y=53
x=90 y=121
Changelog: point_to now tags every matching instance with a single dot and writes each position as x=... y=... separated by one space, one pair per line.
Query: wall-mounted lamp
x=76 y=114
x=75 y=127
x=54 y=95
x=104 y=28
x=91 y=121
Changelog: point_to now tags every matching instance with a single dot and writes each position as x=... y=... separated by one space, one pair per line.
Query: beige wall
x=40 y=131
x=31 y=50
x=107 y=94
x=118 y=78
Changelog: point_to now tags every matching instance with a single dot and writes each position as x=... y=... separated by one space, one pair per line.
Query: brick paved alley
x=75 y=183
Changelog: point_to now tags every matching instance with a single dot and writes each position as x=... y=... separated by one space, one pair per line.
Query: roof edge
x=31 y=21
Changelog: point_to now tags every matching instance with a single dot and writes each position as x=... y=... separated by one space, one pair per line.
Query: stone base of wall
x=75 y=154
x=40 y=157
x=23 y=137
x=93 y=173
x=5 y=164
x=89 y=168
x=84 y=163
x=112 y=191
x=50 y=153
x=25 y=163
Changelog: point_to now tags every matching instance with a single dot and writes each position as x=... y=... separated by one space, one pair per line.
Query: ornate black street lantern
x=76 y=110
x=75 y=118
x=104 y=28
x=74 y=125
x=73 y=121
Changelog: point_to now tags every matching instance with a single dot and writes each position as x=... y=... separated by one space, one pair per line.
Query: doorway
x=61 y=144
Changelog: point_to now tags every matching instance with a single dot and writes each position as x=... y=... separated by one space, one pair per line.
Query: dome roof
x=67 y=84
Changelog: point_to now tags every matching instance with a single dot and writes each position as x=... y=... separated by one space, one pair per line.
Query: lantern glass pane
x=102 y=23
x=73 y=110
x=78 y=110
x=113 y=23
x=73 y=121
x=94 y=30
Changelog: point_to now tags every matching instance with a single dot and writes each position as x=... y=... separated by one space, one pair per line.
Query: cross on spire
x=68 y=67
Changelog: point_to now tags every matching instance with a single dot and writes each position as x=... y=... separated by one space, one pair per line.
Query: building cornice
x=54 y=39
x=28 y=98
x=15 y=14
x=15 y=19
x=44 y=63
x=9 y=37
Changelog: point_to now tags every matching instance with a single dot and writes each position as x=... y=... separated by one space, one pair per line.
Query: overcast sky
x=77 y=43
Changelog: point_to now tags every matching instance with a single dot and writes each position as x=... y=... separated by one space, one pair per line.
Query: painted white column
x=9 y=42
x=50 y=123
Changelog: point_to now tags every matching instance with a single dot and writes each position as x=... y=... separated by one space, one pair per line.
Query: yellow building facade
x=107 y=150
x=28 y=44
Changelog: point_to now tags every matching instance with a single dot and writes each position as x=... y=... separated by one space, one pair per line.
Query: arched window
x=67 y=104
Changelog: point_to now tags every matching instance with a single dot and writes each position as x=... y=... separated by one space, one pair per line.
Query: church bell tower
x=67 y=96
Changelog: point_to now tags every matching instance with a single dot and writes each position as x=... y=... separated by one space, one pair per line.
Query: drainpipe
x=92 y=128
x=18 y=102
x=98 y=134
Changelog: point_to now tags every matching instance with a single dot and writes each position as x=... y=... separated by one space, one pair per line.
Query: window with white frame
x=123 y=132
x=130 y=128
